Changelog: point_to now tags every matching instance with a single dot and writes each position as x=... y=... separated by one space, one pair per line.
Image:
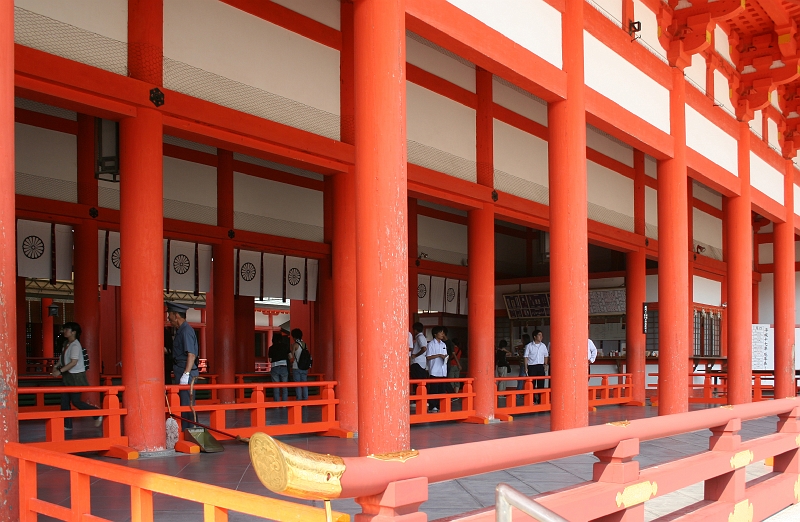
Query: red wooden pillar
x=224 y=274
x=784 y=292
x=480 y=232
x=47 y=328
x=142 y=278
x=245 y=319
x=85 y=261
x=690 y=267
x=636 y=289
x=569 y=301
x=145 y=40
x=323 y=349
x=673 y=262
x=343 y=247
x=9 y=477
x=413 y=269
x=740 y=280
x=381 y=231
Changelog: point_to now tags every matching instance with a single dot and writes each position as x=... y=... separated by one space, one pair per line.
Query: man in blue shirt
x=184 y=354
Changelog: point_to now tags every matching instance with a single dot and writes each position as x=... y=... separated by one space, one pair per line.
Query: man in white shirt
x=592 y=354
x=536 y=356
x=418 y=360
x=436 y=355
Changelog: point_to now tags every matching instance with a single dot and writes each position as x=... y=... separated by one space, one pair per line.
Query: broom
x=172 y=427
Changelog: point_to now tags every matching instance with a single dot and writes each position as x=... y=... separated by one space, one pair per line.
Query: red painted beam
x=45 y=121
x=440 y=86
x=437 y=187
x=708 y=173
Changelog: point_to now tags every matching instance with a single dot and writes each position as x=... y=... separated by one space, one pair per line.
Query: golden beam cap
x=295 y=472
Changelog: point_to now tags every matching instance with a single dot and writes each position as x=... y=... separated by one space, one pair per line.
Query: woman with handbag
x=72 y=370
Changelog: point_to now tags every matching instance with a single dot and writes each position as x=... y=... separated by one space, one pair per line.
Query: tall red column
x=636 y=290
x=673 y=262
x=9 y=477
x=47 y=328
x=323 y=349
x=224 y=274
x=413 y=269
x=381 y=232
x=145 y=37
x=142 y=278
x=740 y=280
x=343 y=247
x=85 y=261
x=245 y=333
x=690 y=267
x=784 y=291
x=569 y=298
x=480 y=233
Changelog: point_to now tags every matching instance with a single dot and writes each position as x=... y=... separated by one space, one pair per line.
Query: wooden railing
x=216 y=501
x=464 y=399
x=714 y=388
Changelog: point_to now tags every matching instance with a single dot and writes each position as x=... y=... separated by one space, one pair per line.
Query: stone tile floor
x=232 y=469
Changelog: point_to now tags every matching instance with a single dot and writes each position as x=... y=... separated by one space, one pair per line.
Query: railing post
x=27 y=490
x=80 y=497
x=141 y=504
x=258 y=415
x=788 y=462
x=617 y=466
x=113 y=426
x=730 y=486
x=398 y=503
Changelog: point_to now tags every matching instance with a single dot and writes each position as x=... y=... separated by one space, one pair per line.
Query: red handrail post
x=328 y=409
x=788 y=462
x=730 y=486
x=80 y=497
x=258 y=415
x=27 y=490
x=617 y=466
x=399 y=502
x=112 y=428
x=141 y=504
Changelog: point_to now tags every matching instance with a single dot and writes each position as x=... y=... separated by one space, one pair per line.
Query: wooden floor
x=232 y=468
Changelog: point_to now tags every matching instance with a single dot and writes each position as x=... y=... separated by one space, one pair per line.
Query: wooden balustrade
x=419 y=397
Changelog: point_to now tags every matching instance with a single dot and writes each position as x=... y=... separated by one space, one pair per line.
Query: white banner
x=462 y=303
x=423 y=292
x=249 y=273
x=437 y=294
x=34 y=256
x=451 y=296
x=313 y=277
x=295 y=278
x=181 y=266
x=108 y=259
x=273 y=276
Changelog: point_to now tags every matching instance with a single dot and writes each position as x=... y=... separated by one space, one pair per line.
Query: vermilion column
x=343 y=247
x=381 y=232
x=145 y=37
x=480 y=232
x=413 y=270
x=224 y=276
x=142 y=278
x=323 y=349
x=245 y=312
x=47 y=328
x=85 y=261
x=9 y=477
x=569 y=299
x=740 y=280
x=636 y=290
x=673 y=263
x=784 y=292
x=690 y=267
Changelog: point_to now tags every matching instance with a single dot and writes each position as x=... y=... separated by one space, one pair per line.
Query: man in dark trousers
x=184 y=354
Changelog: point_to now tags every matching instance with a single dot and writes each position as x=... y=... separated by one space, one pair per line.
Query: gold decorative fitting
x=797 y=441
x=295 y=472
x=636 y=494
x=619 y=424
x=742 y=512
x=797 y=490
x=727 y=407
x=397 y=456
x=742 y=459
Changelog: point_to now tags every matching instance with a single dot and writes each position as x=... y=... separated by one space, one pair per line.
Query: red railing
x=216 y=501
x=714 y=388
x=419 y=397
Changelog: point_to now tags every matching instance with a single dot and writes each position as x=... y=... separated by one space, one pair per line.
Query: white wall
x=323 y=11
x=523 y=157
x=612 y=7
x=765 y=253
x=42 y=152
x=696 y=72
x=707 y=228
x=441 y=235
x=650 y=166
x=765 y=178
x=105 y=17
x=209 y=34
x=766 y=304
x=721 y=43
x=443 y=66
x=651 y=208
x=707 y=195
x=711 y=141
x=623 y=83
x=707 y=291
x=772 y=130
x=533 y=24
x=722 y=91
x=513 y=100
x=190 y=182
x=796 y=199
x=651 y=288
x=649 y=32
x=440 y=122
x=613 y=149
x=613 y=191
x=263 y=197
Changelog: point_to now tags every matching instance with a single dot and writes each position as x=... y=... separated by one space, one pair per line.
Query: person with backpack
x=301 y=363
x=72 y=367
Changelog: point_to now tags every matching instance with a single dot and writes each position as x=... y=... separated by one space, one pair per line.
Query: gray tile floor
x=232 y=469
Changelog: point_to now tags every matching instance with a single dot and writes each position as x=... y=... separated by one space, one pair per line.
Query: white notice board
x=763 y=343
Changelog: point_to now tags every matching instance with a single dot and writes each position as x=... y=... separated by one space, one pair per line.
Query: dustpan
x=201 y=437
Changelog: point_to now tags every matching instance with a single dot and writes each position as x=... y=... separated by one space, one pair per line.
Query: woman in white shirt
x=73 y=371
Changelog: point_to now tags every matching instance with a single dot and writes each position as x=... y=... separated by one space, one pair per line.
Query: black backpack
x=305 y=361
x=85 y=359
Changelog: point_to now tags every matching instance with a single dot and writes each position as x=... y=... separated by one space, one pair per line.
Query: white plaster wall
x=190 y=182
x=721 y=91
x=263 y=197
x=440 y=122
x=520 y=154
x=796 y=199
x=697 y=71
x=516 y=101
x=612 y=7
x=440 y=64
x=721 y=43
x=710 y=141
x=622 y=82
x=772 y=130
x=755 y=123
x=706 y=291
x=261 y=319
x=442 y=235
x=613 y=149
x=651 y=166
x=46 y=153
x=323 y=11
x=207 y=34
x=707 y=195
x=649 y=32
x=765 y=178
x=105 y=17
x=651 y=288
x=773 y=98
x=765 y=253
x=707 y=228
x=533 y=24
x=609 y=189
x=650 y=206
x=766 y=300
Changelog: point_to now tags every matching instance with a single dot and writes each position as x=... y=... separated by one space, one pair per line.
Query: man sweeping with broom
x=184 y=354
